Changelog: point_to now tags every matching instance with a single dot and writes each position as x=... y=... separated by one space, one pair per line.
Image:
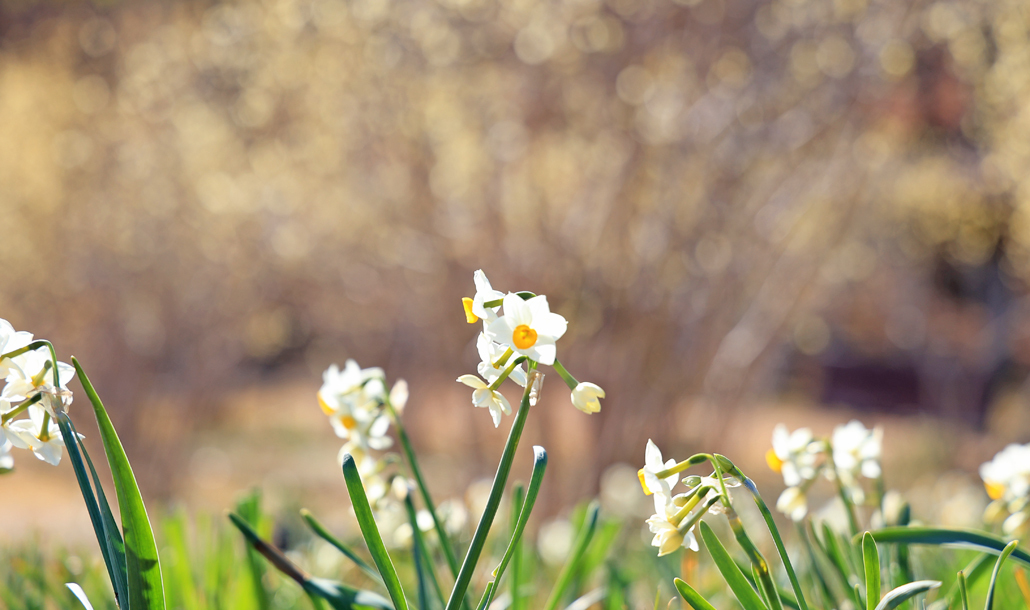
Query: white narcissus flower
x=653 y=464
x=350 y=387
x=399 y=395
x=6 y=459
x=27 y=375
x=585 y=397
x=489 y=353
x=1007 y=480
x=1007 y=476
x=475 y=308
x=483 y=396
x=352 y=399
x=795 y=455
x=667 y=534
x=26 y=433
x=529 y=328
x=10 y=340
x=857 y=449
x=793 y=502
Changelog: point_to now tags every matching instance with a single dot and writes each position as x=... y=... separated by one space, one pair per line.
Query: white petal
x=472 y=381
x=551 y=325
x=543 y=352
x=516 y=310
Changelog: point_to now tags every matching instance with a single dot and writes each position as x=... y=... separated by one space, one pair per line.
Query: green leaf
x=249 y=508
x=179 y=582
x=526 y=507
x=143 y=566
x=732 y=574
x=900 y=595
x=749 y=574
x=872 y=571
x=962 y=590
x=339 y=595
x=370 y=532
x=586 y=533
x=1009 y=548
x=108 y=536
x=423 y=560
x=342 y=597
x=324 y=534
x=970 y=539
x=691 y=596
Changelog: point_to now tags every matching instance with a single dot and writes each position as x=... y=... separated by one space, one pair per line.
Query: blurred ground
x=737 y=204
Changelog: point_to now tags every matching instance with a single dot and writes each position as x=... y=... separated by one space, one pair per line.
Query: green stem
x=565 y=375
x=777 y=539
x=500 y=479
x=848 y=504
x=33 y=346
x=423 y=567
x=416 y=473
x=19 y=409
x=508 y=371
x=758 y=563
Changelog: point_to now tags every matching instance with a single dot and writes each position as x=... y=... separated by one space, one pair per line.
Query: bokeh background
x=751 y=211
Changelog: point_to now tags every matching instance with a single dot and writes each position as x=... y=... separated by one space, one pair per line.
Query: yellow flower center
x=773 y=460
x=524 y=337
x=994 y=489
x=470 y=317
x=324 y=405
x=643 y=485
x=349 y=422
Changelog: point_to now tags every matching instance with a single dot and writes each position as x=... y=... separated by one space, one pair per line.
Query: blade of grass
x=692 y=597
x=962 y=590
x=180 y=586
x=339 y=596
x=537 y=478
x=777 y=539
x=1009 y=548
x=588 y=600
x=249 y=508
x=872 y=571
x=807 y=534
x=370 y=532
x=752 y=579
x=143 y=565
x=900 y=595
x=324 y=534
x=733 y=576
x=586 y=533
x=518 y=499
x=423 y=559
x=979 y=541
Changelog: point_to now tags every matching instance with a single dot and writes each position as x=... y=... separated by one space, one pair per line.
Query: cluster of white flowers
x=355 y=401
x=526 y=331
x=1007 y=480
x=677 y=514
x=800 y=457
x=29 y=398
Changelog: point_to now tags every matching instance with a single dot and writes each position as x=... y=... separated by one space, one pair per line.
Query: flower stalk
x=493 y=502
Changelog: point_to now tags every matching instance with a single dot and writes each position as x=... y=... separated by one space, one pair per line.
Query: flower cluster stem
x=416 y=473
x=494 y=501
